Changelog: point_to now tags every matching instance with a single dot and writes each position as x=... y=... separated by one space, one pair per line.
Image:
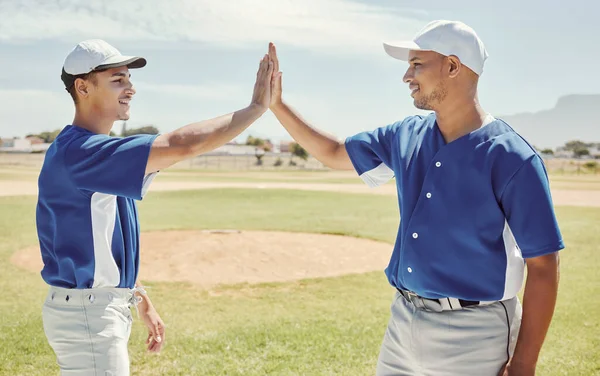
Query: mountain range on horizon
x=572 y=118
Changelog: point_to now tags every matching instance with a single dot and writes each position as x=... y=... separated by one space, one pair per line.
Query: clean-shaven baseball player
x=475 y=209
x=87 y=219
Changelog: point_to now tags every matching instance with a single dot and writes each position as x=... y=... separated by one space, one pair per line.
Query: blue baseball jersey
x=86 y=215
x=471 y=211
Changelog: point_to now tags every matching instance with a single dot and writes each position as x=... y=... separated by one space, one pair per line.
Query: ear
x=454 y=66
x=81 y=87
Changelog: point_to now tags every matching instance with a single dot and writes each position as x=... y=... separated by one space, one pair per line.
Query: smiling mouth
x=125 y=102
x=414 y=91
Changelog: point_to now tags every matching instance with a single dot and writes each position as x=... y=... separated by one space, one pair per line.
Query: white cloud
x=340 y=25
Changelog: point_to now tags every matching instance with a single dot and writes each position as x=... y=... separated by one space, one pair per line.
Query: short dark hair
x=91 y=76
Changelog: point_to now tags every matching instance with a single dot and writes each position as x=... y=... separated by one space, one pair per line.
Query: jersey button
x=409 y=269
x=438 y=164
x=415 y=235
x=428 y=195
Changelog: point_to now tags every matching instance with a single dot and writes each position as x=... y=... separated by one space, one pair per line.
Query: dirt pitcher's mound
x=210 y=258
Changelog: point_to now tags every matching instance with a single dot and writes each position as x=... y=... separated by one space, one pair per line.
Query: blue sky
x=203 y=55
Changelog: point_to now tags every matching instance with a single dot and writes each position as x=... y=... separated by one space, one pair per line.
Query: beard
x=430 y=101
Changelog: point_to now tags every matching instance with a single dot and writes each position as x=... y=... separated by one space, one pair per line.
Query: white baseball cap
x=446 y=38
x=95 y=55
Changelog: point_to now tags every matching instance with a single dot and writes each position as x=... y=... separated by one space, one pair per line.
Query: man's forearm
x=207 y=135
x=201 y=137
x=326 y=148
x=539 y=300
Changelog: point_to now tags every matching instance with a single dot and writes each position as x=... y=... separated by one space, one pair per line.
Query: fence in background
x=269 y=161
x=281 y=161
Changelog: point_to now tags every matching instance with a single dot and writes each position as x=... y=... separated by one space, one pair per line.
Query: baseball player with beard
x=475 y=209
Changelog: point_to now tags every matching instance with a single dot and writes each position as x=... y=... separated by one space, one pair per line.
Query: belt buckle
x=415 y=299
x=424 y=303
x=433 y=305
x=412 y=297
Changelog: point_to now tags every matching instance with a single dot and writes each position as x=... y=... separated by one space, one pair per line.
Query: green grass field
x=330 y=326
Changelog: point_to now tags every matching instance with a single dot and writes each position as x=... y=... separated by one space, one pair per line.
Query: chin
x=422 y=106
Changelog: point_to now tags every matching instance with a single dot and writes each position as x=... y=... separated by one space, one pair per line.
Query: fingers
x=153 y=344
x=155 y=347
x=156 y=336
x=157 y=332
x=265 y=68
x=276 y=82
x=273 y=57
x=154 y=330
x=261 y=66
x=150 y=340
x=270 y=69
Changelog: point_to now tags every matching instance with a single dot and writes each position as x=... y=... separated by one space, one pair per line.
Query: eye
x=416 y=64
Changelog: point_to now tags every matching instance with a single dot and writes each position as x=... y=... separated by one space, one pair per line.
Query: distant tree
x=148 y=129
x=260 y=142
x=592 y=165
x=576 y=144
x=48 y=137
x=297 y=151
x=548 y=151
x=254 y=141
x=580 y=152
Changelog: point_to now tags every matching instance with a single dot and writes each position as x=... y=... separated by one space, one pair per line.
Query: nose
x=408 y=76
x=131 y=90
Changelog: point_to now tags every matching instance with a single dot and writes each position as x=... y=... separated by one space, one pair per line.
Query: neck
x=459 y=117
x=92 y=121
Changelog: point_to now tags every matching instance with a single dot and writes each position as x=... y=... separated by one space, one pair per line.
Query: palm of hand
x=262 y=87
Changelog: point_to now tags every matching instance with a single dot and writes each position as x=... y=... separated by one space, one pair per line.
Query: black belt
x=443 y=304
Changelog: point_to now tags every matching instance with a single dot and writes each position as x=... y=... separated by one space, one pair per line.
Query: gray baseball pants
x=88 y=329
x=475 y=340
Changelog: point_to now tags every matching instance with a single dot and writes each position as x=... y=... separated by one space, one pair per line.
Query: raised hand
x=276 y=90
x=262 y=88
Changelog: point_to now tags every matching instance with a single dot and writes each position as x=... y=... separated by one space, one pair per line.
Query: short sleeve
x=110 y=165
x=527 y=205
x=371 y=154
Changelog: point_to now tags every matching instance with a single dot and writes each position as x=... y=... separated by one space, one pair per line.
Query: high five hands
x=267 y=89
